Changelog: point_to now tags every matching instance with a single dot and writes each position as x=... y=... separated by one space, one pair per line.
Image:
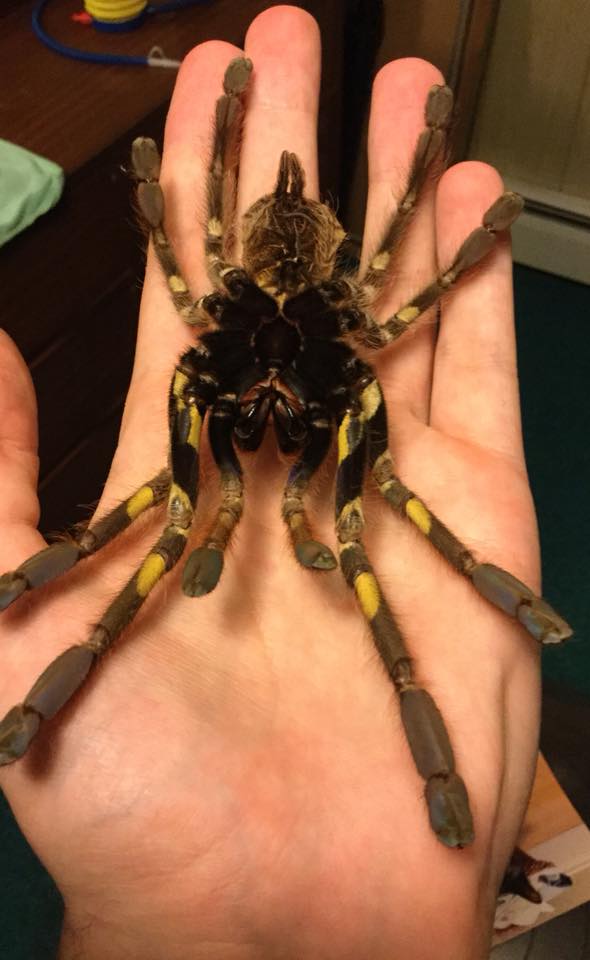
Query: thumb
x=19 y=464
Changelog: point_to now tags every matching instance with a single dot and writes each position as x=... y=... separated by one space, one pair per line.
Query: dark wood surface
x=71 y=283
x=70 y=111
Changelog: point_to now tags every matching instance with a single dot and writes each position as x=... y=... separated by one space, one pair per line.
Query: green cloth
x=29 y=186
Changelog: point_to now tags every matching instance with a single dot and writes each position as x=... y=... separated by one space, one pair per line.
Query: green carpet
x=553 y=326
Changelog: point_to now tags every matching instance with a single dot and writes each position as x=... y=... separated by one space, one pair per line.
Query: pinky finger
x=475 y=385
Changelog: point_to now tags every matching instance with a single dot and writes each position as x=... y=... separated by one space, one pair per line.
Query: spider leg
x=67 y=672
x=497 y=585
x=222 y=177
x=446 y=796
x=309 y=552
x=50 y=563
x=205 y=564
x=430 y=145
x=477 y=245
x=145 y=159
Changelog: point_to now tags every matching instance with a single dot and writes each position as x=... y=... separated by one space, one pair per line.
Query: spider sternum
x=276 y=343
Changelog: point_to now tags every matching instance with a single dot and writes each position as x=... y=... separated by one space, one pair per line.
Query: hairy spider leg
x=478 y=244
x=446 y=796
x=223 y=170
x=225 y=276
x=64 y=675
x=221 y=189
x=205 y=564
x=309 y=552
x=474 y=248
x=53 y=561
x=499 y=217
x=495 y=584
x=429 y=148
x=145 y=159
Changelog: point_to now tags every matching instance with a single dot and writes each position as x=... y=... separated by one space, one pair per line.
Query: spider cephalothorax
x=278 y=340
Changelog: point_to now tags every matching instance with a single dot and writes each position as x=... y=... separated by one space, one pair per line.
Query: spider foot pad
x=448 y=808
x=17 y=729
x=237 y=76
x=202 y=571
x=439 y=106
x=12 y=585
x=515 y=598
x=145 y=158
x=503 y=212
x=446 y=796
x=311 y=553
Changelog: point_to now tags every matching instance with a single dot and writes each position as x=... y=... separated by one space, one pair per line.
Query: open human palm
x=234 y=780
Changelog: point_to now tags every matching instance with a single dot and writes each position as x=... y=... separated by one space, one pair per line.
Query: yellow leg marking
x=367 y=591
x=380 y=261
x=407 y=314
x=149 y=573
x=350 y=434
x=139 y=502
x=343 y=446
x=180 y=382
x=353 y=506
x=419 y=515
x=371 y=399
x=214 y=227
x=177 y=284
x=195 y=430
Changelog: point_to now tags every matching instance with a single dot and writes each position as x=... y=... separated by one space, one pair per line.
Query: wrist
x=92 y=938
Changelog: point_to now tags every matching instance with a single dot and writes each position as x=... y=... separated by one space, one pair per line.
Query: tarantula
x=277 y=341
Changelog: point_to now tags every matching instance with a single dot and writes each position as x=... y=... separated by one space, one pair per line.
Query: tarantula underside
x=277 y=340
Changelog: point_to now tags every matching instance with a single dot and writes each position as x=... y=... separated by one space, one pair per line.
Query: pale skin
x=234 y=781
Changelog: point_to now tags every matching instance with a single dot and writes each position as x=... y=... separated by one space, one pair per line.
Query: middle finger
x=284 y=46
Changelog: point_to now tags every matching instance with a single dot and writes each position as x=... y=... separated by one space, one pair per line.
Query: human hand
x=234 y=780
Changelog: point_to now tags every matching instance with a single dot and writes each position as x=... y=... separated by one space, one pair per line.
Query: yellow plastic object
x=115 y=11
